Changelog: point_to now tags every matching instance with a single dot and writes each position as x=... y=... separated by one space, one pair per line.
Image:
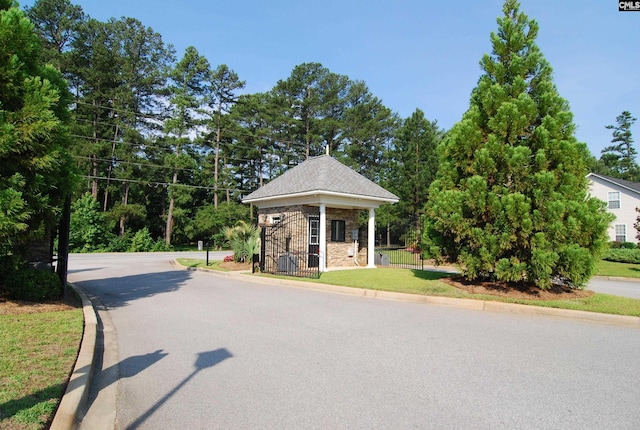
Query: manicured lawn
x=429 y=283
x=610 y=268
x=37 y=354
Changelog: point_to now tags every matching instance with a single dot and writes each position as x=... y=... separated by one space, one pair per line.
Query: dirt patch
x=235 y=266
x=518 y=290
x=14 y=307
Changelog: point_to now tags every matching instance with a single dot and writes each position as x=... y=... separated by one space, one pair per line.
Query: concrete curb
x=70 y=410
x=479 y=305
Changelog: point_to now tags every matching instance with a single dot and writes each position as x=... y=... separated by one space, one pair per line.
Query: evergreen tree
x=367 y=130
x=510 y=201
x=36 y=173
x=220 y=96
x=186 y=98
x=57 y=23
x=619 y=159
x=416 y=161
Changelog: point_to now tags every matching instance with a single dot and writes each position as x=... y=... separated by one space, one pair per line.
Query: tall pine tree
x=510 y=199
x=619 y=159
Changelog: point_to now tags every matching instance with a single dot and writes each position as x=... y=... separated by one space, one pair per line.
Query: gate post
x=263 y=234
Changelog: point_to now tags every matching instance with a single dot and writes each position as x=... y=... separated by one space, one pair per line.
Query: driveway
x=196 y=350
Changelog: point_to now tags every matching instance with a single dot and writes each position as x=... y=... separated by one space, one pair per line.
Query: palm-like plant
x=244 y=240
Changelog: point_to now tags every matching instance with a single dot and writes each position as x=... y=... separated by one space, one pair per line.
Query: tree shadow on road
x=120 y=291
x=204 y=360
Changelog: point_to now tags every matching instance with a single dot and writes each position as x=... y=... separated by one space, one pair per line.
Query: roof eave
x=613 y=181
x=322 y=193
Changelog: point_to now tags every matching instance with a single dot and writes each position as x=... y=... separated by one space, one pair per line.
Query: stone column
x=371 y=238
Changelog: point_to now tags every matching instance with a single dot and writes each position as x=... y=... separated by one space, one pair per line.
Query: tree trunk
x=113 y=152
x=125 y=199
x=169 y=227
x=215 y=168
x=94 y=185
x=94 y=181
x=388 y=234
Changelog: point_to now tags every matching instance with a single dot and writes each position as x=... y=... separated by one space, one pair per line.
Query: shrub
x=89 y=227
x=142 y=241
x=120 y=243
x=161 y=246
x=624 y=245
x=622 y=255
x=33 y=285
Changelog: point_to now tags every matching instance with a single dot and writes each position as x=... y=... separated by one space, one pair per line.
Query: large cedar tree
x=510 y=201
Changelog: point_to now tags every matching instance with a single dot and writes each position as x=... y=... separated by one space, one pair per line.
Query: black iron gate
x=399 y=245
x=290 y=246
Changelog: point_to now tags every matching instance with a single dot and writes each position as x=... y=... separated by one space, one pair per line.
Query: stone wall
x=338 y=253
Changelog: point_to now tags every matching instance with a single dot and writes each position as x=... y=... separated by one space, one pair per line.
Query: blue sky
x=411 y=53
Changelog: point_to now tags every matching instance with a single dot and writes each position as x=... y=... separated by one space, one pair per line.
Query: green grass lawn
x=429 y=283
x=37 y=354
x=610 y=268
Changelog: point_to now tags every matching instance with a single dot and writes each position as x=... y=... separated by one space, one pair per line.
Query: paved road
x=202 y=351
x=622 y=288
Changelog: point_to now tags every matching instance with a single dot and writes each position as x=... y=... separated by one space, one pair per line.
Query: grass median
x=430 y=283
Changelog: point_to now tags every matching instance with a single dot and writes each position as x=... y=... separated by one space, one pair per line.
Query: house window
x=314 y=230
x=337 y=230
x=621 y=232
x=614 y=200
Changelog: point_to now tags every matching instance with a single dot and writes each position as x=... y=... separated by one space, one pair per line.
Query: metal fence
x=402 y=247
x=399 y=256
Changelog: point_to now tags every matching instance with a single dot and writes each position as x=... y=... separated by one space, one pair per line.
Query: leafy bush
x=622 y=255
x=210 y=222
x=89 y=230
x=120 y=243
x=33 y=285
x=142 y=241
x=624 y=245
x=161 y=246
x=9 y=264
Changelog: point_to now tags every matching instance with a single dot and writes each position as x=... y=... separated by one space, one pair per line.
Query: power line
x=166 y=184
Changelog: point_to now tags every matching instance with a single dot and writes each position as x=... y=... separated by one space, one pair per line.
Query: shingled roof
x=632 y=186
x=321 y=175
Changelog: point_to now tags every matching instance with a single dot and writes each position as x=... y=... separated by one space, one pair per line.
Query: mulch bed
x=235 y=266
x=517 y=290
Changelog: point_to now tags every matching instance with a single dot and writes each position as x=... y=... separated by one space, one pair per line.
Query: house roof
x=631 y=186
x=322 y=175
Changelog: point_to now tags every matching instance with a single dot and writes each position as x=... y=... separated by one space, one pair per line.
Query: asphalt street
x=194 y=350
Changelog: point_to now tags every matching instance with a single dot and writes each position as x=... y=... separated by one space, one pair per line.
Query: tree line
x=168 y=142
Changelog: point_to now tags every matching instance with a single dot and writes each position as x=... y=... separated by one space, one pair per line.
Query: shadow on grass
x=429 y=275
x=33 y=407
